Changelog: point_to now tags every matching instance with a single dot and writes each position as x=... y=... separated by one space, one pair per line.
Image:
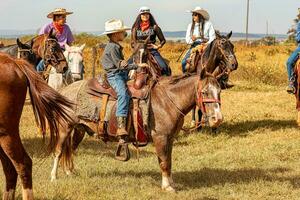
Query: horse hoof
x=193 y=123
x=169 y=189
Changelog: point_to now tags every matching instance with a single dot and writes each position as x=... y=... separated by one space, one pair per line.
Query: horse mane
x=208 y=49
x=175 y=79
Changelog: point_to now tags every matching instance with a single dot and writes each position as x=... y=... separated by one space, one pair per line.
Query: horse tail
x=49 y=107
x=67 y=154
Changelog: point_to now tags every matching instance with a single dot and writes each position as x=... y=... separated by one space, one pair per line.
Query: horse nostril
x=65 y=69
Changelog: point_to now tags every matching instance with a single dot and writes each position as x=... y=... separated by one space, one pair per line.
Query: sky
x=171 y=15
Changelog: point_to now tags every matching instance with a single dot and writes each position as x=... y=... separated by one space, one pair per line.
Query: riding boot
x=122 y=132
x=291 y=88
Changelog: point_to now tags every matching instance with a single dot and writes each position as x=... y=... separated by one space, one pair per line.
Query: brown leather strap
x=102 y=114
x=135 y=116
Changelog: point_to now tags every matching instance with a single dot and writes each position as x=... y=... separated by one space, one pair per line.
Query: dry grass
x=255 y=155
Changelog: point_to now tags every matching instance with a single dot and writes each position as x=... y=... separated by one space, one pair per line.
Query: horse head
x=209 y=99
x=25 y=52
x=226 y=53
x=53 y=54
x=140 y=51
x=74 y=57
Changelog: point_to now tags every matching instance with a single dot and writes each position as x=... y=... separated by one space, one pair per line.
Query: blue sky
x=90 y=15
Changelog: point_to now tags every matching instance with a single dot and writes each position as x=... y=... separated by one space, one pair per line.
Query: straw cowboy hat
x=59 y=11
x=200 y=11
x=144 y=9
x=114 y=26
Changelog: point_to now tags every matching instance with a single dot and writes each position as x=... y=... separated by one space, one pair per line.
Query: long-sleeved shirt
x=138 y=35
x=112 y=57
x=209 y=32
x=298 y=33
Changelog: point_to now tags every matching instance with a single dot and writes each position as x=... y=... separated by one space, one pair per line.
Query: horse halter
x=24 y=50
x=225 y=57
x=201 y=101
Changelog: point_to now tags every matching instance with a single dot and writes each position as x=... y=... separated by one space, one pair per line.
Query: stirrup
x=122 y=147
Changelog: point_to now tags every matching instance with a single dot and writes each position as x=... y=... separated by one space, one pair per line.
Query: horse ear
x=67 y=47
x=31 y=43
x=20 y=44
x=52 y=33
x=218 y=35
x=203 y=73
x=82 y=47
x=229 y=35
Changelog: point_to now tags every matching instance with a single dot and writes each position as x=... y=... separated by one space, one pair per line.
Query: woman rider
x=145 y=26
x=62 y=31
x=200 y=31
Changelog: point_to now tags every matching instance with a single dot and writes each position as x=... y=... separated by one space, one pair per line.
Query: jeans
x=41 y=66
x=118 y=83
x=291 y=62
x=161 y=62
x=187 y=56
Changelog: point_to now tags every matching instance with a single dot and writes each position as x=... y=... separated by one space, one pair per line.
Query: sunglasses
x=195 y=14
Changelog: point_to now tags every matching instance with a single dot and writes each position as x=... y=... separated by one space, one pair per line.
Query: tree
x=292 y=31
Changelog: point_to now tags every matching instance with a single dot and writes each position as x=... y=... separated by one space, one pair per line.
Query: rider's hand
x=205 y=40
x=194 y=38
x=143 y=65
x=123 y=64
x=153 y=46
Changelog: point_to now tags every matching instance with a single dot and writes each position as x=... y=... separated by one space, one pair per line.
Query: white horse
x=75 y=72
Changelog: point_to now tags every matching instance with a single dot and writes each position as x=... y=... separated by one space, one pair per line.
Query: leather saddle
x=138 y=88
x=194 y=58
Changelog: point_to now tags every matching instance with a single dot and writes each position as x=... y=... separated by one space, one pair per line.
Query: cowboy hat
x=144 y=9
x=59 y=11
x=200 y=11
x=114 y=26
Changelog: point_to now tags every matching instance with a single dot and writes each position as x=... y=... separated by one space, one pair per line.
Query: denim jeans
x=41 y=66
x=291 y=62
x=187 y=56
x=161 y=62
x=118 y=83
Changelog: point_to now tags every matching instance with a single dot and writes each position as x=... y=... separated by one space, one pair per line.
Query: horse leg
x=193 y=122
x=163 y=146
x=298 y=121
x=77 y=138
x=10 y=175
x=63 y=136
x=14 y=150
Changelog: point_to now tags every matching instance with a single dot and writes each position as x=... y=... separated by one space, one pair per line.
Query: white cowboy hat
x=200 y=11
x=144 y=9
x=114 y=26
x=59 y=11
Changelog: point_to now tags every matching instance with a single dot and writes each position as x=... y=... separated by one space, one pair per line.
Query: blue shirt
x=298 y=33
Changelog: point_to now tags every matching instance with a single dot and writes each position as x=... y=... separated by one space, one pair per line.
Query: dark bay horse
x=49 y=107
x=40 y=47
x=218 y=58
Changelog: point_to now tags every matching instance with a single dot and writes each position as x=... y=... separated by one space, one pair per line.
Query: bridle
x=50 y=59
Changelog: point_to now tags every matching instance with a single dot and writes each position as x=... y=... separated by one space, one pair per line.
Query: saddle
x=195 y=56
x=137 y=122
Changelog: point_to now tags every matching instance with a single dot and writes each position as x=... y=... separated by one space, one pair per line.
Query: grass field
x=254 y=156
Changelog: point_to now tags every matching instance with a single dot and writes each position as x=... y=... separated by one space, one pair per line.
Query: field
x=254 y=156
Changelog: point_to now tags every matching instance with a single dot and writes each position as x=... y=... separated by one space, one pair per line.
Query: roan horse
x=171 y=99
x=48 y=106
x=218 y=58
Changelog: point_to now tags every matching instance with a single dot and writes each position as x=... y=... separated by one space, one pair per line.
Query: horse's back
x=11 y=50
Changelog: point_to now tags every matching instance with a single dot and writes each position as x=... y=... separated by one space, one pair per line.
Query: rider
x=200 y=31
x=145 y=26
x=117 y=72
x=291 y=62
x=62 y=30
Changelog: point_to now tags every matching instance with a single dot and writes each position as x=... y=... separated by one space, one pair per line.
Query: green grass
x=255 y=156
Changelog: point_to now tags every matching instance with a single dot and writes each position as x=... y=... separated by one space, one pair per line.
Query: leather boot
x=122 y=132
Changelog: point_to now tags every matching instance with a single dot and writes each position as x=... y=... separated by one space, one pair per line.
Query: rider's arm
x=45 y=29
x=211 y=33
x=298 y=33
x=118 y=59
x=70 y=37
x=188 y=37
x=160 y=36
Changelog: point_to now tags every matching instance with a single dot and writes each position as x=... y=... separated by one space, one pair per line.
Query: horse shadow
x=209 y=177
x=37 y=147
x=243 y=128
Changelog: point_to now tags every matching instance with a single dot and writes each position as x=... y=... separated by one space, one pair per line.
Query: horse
x=218 y=54
x=43 y=47
x=73 y=55
x=297 y=84
x=48 y=107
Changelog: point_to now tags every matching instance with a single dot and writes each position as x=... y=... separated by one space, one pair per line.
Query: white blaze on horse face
x=74 y=58
x=141 y=55
x=216 y=114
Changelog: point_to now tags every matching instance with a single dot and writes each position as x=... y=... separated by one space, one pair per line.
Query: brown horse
x=297 y=73
x=171 y=99
x=218 y=59
x=48 y=106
